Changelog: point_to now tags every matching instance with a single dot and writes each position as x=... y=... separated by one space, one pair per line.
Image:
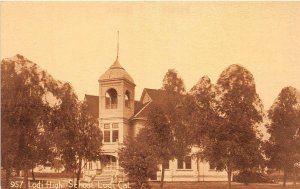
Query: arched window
x=111 y=99
x=127 y=99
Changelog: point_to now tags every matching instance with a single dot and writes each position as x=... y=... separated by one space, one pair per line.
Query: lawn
x=170 y=185
x=221 y=185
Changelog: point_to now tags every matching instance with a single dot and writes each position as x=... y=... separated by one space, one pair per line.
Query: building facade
x=120 y=116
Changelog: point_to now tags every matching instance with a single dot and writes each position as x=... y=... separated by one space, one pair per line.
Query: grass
x=220 y=185
x=187 y=185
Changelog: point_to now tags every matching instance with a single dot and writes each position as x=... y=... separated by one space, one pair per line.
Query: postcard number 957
x=16 y=184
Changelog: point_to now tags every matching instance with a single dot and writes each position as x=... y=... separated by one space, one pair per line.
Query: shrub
x=252 y=177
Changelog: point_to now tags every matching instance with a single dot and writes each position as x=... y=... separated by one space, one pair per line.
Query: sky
x=77 y=41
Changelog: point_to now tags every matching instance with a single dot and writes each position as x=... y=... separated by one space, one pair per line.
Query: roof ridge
x=91 y=95
x=147 y=104
x=154 y=89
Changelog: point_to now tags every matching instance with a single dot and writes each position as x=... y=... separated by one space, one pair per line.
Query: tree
x=200 y=114
x=176 y=112
x=173 y=83
x=78 y=136
x=283 y=147
x=138 y=160
x=201 y=110
x=159 y=137
x=24 y=107
x=169 y=116
x=234 y=141
x=43 y=151
x=165 y=135
x=154 y=145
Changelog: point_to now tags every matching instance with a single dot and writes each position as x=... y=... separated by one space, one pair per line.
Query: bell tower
x=116 y=93
x=116 y=104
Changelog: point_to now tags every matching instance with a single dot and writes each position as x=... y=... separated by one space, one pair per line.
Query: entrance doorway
x=110 y=162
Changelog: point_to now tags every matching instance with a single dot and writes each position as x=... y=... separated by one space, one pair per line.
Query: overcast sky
x=76 y=42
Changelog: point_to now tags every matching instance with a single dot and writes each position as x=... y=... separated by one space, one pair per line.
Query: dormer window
x=127 y=99
x=111 y=99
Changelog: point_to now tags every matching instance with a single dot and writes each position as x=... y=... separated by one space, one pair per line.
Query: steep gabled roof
x=143 y=112
x=157 y=97
x=137 y=106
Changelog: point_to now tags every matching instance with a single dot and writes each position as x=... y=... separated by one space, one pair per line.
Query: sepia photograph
x=150 y=94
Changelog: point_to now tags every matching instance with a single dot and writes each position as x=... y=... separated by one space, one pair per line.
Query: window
x=115 y=126
x=184 y=164
x=115 y=135
x=90 y=165
x=106 y=126
x=127 y=99
x=111 y=132
x=111 y=99
x=188 y=162
x=107 y=136
x=166 y=164
x=179 y=164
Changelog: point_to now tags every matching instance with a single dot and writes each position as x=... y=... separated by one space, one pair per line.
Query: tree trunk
x=198 y=174
x=284 y=176
x=7 y=177
x=162 y=176
x=78 y=174
x=294 y=176
x=74 y=173
x=32 y=174
x=229 y=172
x=26 y=177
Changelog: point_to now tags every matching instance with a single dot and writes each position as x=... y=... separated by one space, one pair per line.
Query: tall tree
x=163 y=131
x=199 y=107
x=9 y=131
x=159 y=137
x=283 y=147
x=24 y=107
x=138 y=160
x=173 y=112
x=234 y=142
x=78 y=136
x=173 y=83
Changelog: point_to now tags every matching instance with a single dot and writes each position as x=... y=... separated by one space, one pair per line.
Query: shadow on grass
x=219 y=185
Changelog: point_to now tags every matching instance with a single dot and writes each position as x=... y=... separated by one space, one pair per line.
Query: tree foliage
x=24 y=108
x=158 y=137
x=165 y=135
x=173 y=83
x=153 y=145
x=138 y=160
x=174 y=109
x=201 y=113
x=173 y=118
x=41 y=118
x=78 y=136
x=283 y=147
x=234 y=141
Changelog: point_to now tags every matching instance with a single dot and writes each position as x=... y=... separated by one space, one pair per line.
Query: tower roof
x=116 y=72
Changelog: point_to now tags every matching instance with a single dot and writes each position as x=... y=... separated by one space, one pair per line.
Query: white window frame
x=111 y=127
x=184 y=164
